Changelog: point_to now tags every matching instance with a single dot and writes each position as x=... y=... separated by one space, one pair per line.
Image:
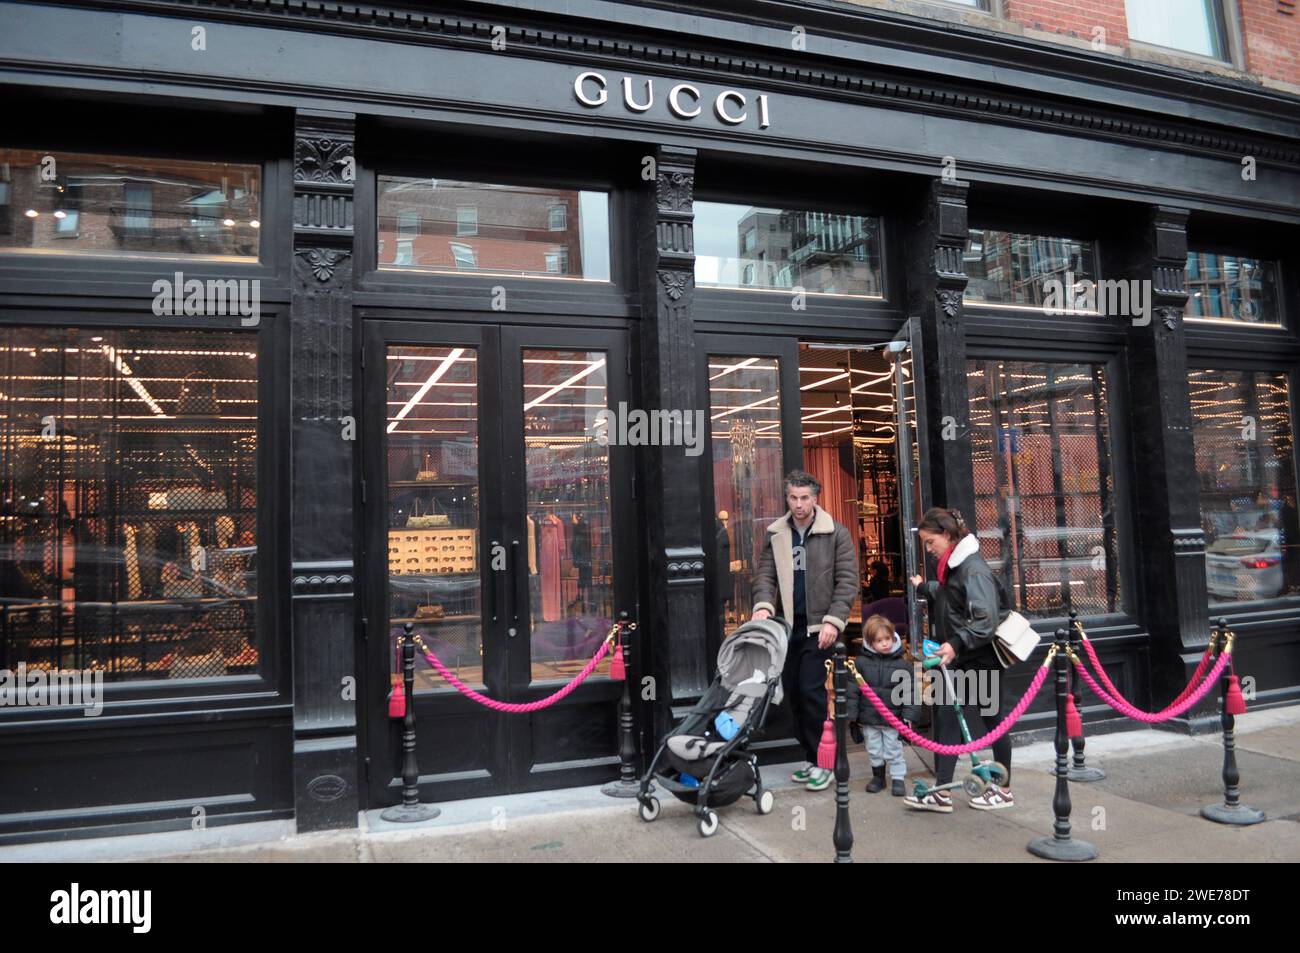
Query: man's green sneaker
x=802 y=775
x=819 y=779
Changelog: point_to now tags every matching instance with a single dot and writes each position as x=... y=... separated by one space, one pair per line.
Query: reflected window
x=81 y=204
x=1045 y=496
x=467 y=220
x=744 y=246
x=1013 y=269
x=1232 y=288
x=745 y=410
x=128 y=502
x=498 y=229
x=1241 y=427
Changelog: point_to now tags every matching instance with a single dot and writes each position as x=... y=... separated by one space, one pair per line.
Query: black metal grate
x=1045 y=515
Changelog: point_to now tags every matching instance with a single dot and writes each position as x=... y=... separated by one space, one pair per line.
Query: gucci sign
x=731 y=107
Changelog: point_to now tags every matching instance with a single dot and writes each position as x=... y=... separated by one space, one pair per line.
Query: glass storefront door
x=503 y=532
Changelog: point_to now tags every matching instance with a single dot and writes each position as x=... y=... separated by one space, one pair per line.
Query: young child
x=890 y=676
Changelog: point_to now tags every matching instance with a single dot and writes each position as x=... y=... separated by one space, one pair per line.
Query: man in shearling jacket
x=809 y=568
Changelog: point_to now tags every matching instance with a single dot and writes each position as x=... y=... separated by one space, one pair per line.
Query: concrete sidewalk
x=1145 y=810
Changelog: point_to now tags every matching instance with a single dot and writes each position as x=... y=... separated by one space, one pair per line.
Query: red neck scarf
x=943 y=565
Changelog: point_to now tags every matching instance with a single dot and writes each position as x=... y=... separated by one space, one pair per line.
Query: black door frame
x=507 y=766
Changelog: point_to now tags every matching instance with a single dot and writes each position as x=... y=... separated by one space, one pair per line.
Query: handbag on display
x=1016 y=639
x=428 y=472
x=428 y=520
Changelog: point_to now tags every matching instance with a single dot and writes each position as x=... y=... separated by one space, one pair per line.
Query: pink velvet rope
x=517 y=708
x=1110 y=687
x=975 y=745
x=1173 y=711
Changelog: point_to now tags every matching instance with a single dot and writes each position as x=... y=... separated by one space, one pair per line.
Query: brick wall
x=1272 y=39
x=1269 y=30
x=1077 y=18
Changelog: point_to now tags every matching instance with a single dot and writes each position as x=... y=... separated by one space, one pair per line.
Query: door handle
x=493 y=590
x=514 y=584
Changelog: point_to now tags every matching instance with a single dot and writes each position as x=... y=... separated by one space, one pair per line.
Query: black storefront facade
x=650 y=208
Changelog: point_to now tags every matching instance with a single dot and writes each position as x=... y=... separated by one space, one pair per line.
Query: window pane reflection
x=1244 y=453
x=745 y=410
x=1013 y=269
x=433 y=508
x=1044 y=492
x=69 y=203
x=1231 y=288
x=569 y=549
x=446 y=225
x=742 y=246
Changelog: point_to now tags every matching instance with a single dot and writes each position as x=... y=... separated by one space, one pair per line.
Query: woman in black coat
x=966 y=606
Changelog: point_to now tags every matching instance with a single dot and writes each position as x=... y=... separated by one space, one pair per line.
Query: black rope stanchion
x=1231 y=811
x=1079 y=770
x=628 y=783
x=843 y=836
x=410 y=810
x=1061 y=845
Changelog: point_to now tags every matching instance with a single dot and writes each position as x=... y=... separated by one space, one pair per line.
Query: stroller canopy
x=756 y=646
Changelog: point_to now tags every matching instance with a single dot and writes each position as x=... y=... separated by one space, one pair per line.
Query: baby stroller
x=705 y=760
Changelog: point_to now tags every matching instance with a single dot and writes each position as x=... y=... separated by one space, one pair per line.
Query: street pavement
x=1146 y=809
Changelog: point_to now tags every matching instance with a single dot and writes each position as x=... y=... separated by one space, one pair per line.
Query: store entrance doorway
x=858 y=433
x=847 y=413
x=500 y=527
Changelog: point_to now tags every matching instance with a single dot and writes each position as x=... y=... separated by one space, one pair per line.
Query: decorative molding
x=320 y=262
x=1170 y=315
x=381 y=22
x=322 y=212
x=675 y=191
x=1188 y=542
x=322 y=159
x=676 y=283
x=949 y=301
x=684 y=565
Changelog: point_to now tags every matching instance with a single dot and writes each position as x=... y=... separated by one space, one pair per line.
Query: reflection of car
x=1245 y=566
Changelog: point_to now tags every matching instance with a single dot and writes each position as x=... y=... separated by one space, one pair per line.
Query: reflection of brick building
x=997 y=261
x=455 y=226
x=106 y=205
x=819 y=250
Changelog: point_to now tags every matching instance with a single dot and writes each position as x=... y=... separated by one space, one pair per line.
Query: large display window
x=128 y=502
x=1245 y=464
x=1044 y=486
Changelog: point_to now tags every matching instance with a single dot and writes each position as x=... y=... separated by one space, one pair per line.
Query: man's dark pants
x=804 y=683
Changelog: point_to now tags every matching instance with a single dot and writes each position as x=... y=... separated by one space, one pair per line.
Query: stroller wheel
x=708 y=824
x=649 y=809
x=973 y=786
x=765 y=801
